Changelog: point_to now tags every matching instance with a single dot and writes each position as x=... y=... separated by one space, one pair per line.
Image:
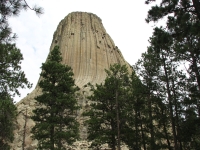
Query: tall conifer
x=55 y=115
x=11 y=76
x=11 y=79
x=108 y=113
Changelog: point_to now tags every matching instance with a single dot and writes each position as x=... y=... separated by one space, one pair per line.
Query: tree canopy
x=10 y=8
x=108 y=114
x=11 y=76
x=55 y=115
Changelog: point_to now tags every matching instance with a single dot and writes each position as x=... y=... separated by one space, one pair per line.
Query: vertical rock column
x=86 y=47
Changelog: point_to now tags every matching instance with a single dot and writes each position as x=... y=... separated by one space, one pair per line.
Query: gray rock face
x=89 y=50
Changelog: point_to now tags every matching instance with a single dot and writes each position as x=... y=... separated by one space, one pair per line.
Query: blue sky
x=124 y=21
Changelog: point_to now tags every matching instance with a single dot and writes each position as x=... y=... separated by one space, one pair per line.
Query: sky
x=123 y=20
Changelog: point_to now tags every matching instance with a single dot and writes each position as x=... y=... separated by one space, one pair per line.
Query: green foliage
x=167 y=102
x=177 y=44
x=56 y=115
x=7 y=117
x=134 y=136
x=10 y=8
x=12 y=77
x=144 y=96
x=182 y=26
x=108 y=115
x=172 y=8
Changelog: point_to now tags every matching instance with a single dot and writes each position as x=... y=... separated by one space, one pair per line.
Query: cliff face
x=89 y=50
x=86 y=47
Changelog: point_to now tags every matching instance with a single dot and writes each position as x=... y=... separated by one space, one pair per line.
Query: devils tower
x=89 y=50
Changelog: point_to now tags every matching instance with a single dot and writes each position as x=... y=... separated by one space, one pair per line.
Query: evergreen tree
x=55 y=117
x=160 y=46
x=135 y=138
x=146 y=69
x=7 y=118
x=11 y=76
x=173 y=7
x=108 y=115
x=161 y=74
x=11 y=79
x=183 y=25
x=10 y=8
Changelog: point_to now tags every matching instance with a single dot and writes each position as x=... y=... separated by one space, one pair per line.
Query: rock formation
x=89 y=50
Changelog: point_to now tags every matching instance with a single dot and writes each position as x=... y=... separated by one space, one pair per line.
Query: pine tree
x=182 y=25
x=146 y=69
x=55 y=117
x=169 y=90
x=173 y=7
x=160 y=46
x=11 y=79
x=11 y=76
x=10 y=8
x=174 y=87
x=135 y=138
x=7 y=117
x=183 y=22
x=108 y=115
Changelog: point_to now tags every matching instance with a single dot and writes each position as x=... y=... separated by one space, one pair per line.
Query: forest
x=156 y=106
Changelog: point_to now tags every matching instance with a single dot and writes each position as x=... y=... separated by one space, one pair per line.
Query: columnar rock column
x=86 y=47
x=89 y=50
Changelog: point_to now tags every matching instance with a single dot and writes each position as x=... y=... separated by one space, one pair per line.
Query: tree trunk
x=136 y=129
x=118 y=122
x=195 y=70
x=196 y=5
x=52 y=134
x=143 y=138
x=170 y=105
x=113 y=135
x=24 y=134
x=152 y=142
x=165 y=131
x=60 y=129
x=176 y=117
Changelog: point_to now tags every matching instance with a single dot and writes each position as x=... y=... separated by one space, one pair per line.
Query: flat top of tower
x=84 y=13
